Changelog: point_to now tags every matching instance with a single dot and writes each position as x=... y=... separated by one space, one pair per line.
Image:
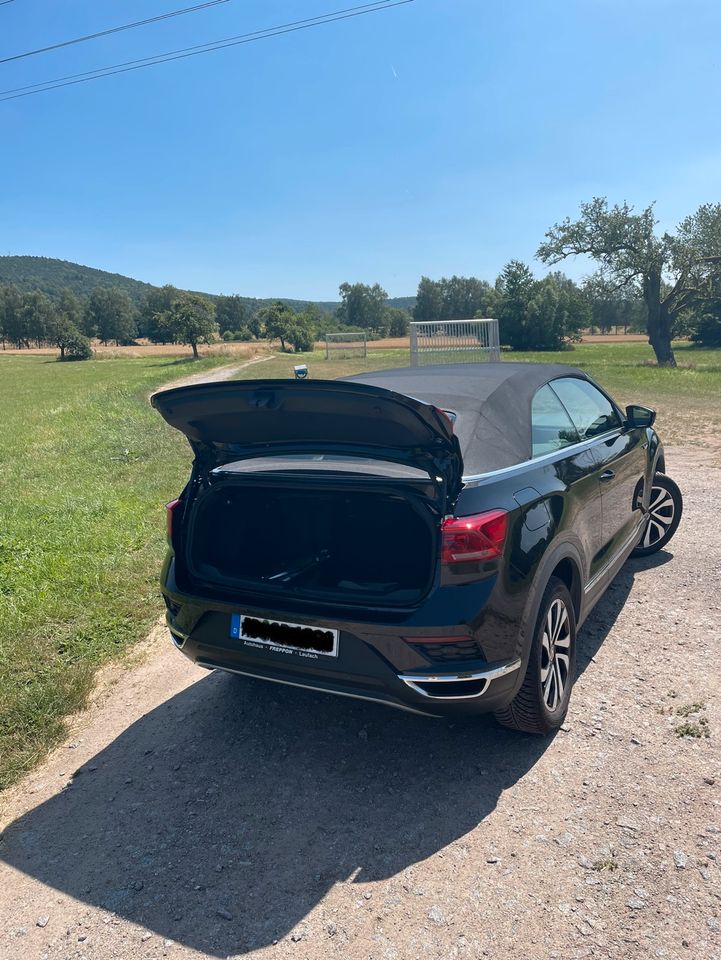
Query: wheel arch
x=568 y=572
x=565 y=560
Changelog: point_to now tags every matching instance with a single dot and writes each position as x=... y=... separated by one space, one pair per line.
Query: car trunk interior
x=341 y=541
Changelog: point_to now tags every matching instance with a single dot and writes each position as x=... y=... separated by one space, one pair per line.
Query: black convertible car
x=428 y=538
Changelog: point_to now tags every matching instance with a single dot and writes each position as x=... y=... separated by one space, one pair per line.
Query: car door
x=620 y=454
x=577 y=473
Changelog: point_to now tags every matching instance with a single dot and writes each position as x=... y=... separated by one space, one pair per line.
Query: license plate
x=284 y=636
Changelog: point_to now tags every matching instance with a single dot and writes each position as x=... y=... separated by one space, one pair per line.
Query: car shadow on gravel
x=222 y=818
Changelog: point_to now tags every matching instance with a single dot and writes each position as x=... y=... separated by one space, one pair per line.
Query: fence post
x=414 y=345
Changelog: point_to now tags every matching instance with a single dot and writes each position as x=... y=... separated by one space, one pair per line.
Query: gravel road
x=200 y=815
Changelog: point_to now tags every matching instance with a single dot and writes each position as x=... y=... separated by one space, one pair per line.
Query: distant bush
x=76 y=347
x=707 y=329
x=243 y=335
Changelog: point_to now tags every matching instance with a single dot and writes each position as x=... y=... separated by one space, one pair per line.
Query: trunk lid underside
x=225 y=422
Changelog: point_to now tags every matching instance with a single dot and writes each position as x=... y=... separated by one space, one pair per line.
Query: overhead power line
x=129 y=65
x=110 y=30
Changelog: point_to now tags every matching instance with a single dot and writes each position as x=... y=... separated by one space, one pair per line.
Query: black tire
x=665 y=510
x=532 y=710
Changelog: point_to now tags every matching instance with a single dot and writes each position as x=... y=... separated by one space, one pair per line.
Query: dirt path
x=213 y=376
x=213 y=817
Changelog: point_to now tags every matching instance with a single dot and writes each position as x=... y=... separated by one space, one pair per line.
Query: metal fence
x=346 y=344
x=454 y=341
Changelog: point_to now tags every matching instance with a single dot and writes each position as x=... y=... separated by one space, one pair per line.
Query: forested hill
x=51 y=276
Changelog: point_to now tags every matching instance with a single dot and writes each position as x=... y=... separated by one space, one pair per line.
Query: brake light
x=478 y=537
x=169 y=510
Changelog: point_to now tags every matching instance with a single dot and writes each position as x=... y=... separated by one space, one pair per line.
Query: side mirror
x=638 y=416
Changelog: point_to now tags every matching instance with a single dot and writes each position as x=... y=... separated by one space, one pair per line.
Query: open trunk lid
x=233 y=420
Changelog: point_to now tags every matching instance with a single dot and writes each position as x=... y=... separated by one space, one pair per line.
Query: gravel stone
x=680 y=859
x=435 y=915
x=635 y=903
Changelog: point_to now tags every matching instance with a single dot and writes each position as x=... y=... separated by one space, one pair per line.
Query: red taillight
x=479 y=537
x=169 y=509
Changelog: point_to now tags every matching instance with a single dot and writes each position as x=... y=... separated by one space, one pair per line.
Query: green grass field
x=85 y=468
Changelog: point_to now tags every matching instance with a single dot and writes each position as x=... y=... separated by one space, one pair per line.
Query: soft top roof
x=492 y=403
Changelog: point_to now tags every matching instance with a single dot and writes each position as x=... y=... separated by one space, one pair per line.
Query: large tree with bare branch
x=672 y=273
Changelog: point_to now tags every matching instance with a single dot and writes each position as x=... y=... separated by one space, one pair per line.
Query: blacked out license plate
x=283 y=636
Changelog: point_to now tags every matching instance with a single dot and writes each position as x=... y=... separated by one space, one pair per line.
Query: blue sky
x=443 y=136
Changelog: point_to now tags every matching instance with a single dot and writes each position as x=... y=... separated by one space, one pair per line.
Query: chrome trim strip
x=609 y=563
x=413 y=679
x=572 y=449
x=209 y=665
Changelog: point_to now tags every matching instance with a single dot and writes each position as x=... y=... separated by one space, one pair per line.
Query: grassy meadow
x=86 y=466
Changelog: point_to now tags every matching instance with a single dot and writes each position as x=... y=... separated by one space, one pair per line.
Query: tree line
x=667 y=285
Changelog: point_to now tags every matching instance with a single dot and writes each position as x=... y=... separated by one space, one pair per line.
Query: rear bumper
x=491 y=685
x=360 y=672
x=383 y=662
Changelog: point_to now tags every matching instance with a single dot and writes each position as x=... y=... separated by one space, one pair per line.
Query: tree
x=302 y=332
x=156 y=305
x=557 y=312
x=230 y=314
x=279 y=322
x=70 y=308
x=76 y=346
x=514 y=287
x=73 y=344
x=12 y=321
x=539 y=314
x=705 y=326
x=110 y=315
x=454 y=298
x=673 y=274
x=36 y=311
x=363 y=306
x=191 y=320
x=397 y=321
x=275 y=321
x=429 y=300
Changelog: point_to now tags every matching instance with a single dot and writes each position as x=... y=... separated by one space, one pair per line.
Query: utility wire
x=130 y=65
x=106 y=33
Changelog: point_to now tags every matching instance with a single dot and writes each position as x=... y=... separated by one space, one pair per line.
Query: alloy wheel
x=555 y=654
x=661 y=512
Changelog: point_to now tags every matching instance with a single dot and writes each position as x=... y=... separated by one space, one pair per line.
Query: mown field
x=86 y=466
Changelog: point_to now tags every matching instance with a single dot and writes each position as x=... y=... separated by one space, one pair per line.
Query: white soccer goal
x=454 y=341
x=345 y=345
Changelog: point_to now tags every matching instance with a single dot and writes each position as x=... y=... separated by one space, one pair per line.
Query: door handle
x=607 y=475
